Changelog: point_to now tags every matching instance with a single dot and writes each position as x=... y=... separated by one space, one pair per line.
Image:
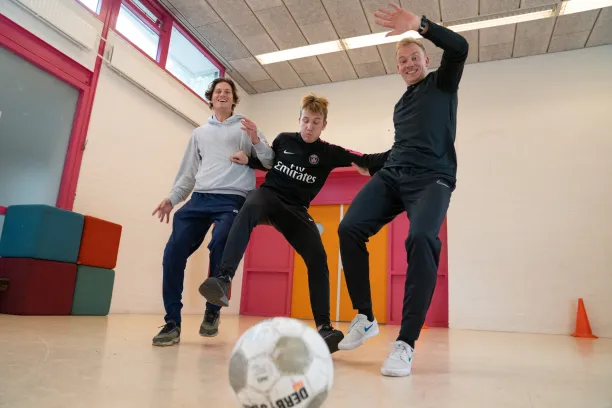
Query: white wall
x=529 y=223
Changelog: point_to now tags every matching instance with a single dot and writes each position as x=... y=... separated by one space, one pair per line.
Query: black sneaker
x=331 y=336
x=169 y=335
x=210 y=324
x=216 y=290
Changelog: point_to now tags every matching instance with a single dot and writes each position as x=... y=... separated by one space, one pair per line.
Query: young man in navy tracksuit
x=302 y=163
x=220 y=186
x=418 y=178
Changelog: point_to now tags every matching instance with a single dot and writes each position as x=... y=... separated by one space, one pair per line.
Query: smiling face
x=222 y=97
x=412 y=62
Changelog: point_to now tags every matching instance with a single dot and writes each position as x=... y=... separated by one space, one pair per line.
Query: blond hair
x=315 y=104
x=407 y=41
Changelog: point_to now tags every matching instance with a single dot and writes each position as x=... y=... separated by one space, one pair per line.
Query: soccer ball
x=281 y=363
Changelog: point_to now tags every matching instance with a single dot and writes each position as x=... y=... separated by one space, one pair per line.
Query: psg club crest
x=313 y=159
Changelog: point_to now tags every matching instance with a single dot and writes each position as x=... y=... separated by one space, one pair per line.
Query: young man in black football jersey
x=418 y=178
x=302 y=163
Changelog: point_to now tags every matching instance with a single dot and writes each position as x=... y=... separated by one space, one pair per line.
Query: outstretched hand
x=240 y=158
x=361 y=170
x=397 y=19
x=251 y=128
x=163 y=210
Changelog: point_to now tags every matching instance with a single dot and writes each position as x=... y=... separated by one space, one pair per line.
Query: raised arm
x=455 y=54
x=185 y=178
x=455 y=47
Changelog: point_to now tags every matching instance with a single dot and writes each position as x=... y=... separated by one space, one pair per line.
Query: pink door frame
x=34 y=50
x=341 y=187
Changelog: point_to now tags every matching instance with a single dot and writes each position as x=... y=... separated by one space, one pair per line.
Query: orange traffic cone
x=583 y=327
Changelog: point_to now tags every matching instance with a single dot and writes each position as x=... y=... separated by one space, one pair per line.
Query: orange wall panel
x=329 y=216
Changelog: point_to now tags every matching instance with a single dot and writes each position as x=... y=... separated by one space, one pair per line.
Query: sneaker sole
x=209 y=334
x=332 y=342
x=398 y=372
x=352 y=346
x=213 y=292
x=167 y=343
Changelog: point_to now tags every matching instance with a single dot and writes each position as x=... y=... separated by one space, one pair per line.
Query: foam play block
x=36 y=287
x=93 y=291
x=99 y=243
x=41 y=232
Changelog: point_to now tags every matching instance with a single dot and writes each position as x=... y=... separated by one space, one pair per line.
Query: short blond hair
x=407 y=41
x=315 y=104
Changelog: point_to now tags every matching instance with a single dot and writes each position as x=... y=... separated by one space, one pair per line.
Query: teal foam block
x=41 y=232
x=93 y=291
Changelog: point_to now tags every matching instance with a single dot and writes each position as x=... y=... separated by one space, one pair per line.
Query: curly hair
x=315 y=104
x=211 y=88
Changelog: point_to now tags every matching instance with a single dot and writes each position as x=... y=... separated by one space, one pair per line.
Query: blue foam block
x=41 y=232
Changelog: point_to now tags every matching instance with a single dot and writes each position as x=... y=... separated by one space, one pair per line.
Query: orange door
x=377 y=247
x=327 y=218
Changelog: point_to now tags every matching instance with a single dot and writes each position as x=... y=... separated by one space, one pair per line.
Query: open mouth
x=411 y=71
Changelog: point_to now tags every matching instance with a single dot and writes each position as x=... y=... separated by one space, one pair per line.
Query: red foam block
x=99 y=243
x=36 y=287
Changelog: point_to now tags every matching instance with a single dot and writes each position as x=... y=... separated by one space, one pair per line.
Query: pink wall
x=268 y=265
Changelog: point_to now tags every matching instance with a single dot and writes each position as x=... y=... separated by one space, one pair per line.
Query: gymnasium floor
x=72 y=362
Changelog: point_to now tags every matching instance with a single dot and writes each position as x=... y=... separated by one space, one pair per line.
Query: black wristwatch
x=424 y=22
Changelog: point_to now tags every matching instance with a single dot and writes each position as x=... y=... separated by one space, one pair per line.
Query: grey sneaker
x=216 y=290
x=169 y=335
x=210 y=324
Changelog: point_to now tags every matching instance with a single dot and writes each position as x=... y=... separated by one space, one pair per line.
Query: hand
x=398 y=19
x=361 y=170
x=251 y=128
x=164 y=209
x=240 y=158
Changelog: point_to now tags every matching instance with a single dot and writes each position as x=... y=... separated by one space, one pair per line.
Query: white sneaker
x=359 y=331
x=399 y=362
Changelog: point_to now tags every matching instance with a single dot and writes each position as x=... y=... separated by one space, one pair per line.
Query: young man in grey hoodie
x=211 y=170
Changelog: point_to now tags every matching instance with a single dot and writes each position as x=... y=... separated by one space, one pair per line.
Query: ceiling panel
x=498 y=6
x=532 y=37
x=197 y=12
x=224 y=40
x=266 y=85
x=602 y=32
x=257 y=5
x=458 y=9
x=238 y=30
x=282 y=28
x=429 y=8
x=496 y=43
x=572 y=31
x=348 y=17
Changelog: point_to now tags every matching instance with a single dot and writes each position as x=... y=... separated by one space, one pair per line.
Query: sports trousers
x=190 y=225
x=264 y=206
x=388 y=193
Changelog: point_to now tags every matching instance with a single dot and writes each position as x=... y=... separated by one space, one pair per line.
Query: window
x=189 y=64
x=140 y=34
x=93 y=5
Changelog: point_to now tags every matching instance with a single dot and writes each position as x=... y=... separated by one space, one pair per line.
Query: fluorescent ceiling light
x=519 y=18
x=576 y=6
x=376 y=39
x=300 y=52
x=567 y=7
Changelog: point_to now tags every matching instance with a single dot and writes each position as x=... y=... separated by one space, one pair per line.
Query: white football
x=281 y=363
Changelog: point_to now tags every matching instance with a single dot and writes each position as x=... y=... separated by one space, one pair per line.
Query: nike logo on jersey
x=287 y=152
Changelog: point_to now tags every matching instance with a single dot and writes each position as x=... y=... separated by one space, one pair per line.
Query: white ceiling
x=237 y=30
